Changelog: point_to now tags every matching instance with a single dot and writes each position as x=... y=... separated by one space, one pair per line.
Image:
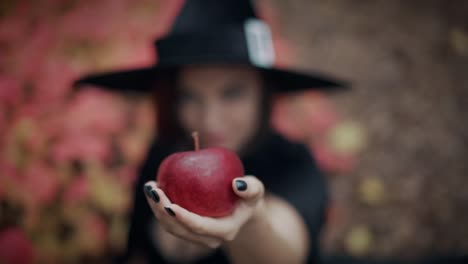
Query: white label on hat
x=259 y=43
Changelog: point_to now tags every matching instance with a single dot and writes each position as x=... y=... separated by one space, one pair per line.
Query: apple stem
x=196 y=140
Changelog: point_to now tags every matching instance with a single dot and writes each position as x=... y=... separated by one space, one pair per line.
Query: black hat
x=215 y=32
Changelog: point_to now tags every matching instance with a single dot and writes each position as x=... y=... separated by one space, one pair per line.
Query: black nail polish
x=169 y=211
x=155 y=196
x=241 y=185
x=151 y=193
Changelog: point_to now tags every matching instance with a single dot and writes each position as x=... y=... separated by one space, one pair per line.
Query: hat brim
x=142 y=80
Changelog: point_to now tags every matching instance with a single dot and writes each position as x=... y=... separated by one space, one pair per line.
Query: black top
x=286 y=169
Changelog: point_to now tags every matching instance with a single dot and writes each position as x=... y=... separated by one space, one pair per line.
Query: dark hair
x=169 y=131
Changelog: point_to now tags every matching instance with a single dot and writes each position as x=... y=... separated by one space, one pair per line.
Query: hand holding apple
x=222 y=220
x=208 y=231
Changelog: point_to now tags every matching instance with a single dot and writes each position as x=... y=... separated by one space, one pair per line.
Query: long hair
x=165 y=99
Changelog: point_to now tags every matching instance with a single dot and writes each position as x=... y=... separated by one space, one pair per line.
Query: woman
x=215 y=75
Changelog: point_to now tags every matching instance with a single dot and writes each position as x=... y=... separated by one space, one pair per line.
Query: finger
x=162 y=198
x=224 y=228
x=166 y=219
x=156 y=198
x=150 y=193
x=249 y=188
x=176 y=229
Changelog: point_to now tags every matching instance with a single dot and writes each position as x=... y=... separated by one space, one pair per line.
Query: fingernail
x=241 y=185
x=151 y=193
x=155 y=196
x=169 y=211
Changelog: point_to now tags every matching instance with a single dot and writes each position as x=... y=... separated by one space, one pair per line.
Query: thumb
x=249 y=188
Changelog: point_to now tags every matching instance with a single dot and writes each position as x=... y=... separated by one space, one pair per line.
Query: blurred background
x=394 y=148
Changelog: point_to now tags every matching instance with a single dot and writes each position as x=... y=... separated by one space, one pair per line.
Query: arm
x=277 y=234
x=265 y=230
x=176 y=249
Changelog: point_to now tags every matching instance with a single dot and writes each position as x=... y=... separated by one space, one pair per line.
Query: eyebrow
x=235 y=82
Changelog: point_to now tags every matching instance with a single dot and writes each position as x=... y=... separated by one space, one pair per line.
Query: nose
x=212 y=117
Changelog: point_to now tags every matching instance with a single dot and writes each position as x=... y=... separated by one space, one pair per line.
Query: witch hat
x=215 y=32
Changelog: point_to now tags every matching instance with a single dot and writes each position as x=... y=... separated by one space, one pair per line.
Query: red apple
x=201 y=180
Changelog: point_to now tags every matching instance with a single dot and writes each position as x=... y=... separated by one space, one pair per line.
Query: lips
x=212 y=140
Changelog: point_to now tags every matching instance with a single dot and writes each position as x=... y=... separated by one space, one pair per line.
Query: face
x=221 y=102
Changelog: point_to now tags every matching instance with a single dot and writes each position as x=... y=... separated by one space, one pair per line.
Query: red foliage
x=39 y=184
x=15 y=247
x=77 y=191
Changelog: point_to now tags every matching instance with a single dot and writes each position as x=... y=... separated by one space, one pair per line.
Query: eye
x=185 y=97
x=233 y=92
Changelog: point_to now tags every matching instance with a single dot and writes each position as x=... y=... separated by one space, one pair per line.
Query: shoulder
x=284 y=166
x=289 y=151
x=281 y=154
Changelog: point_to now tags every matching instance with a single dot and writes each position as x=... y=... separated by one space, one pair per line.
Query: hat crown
x=202 y=15
x=214 y=32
